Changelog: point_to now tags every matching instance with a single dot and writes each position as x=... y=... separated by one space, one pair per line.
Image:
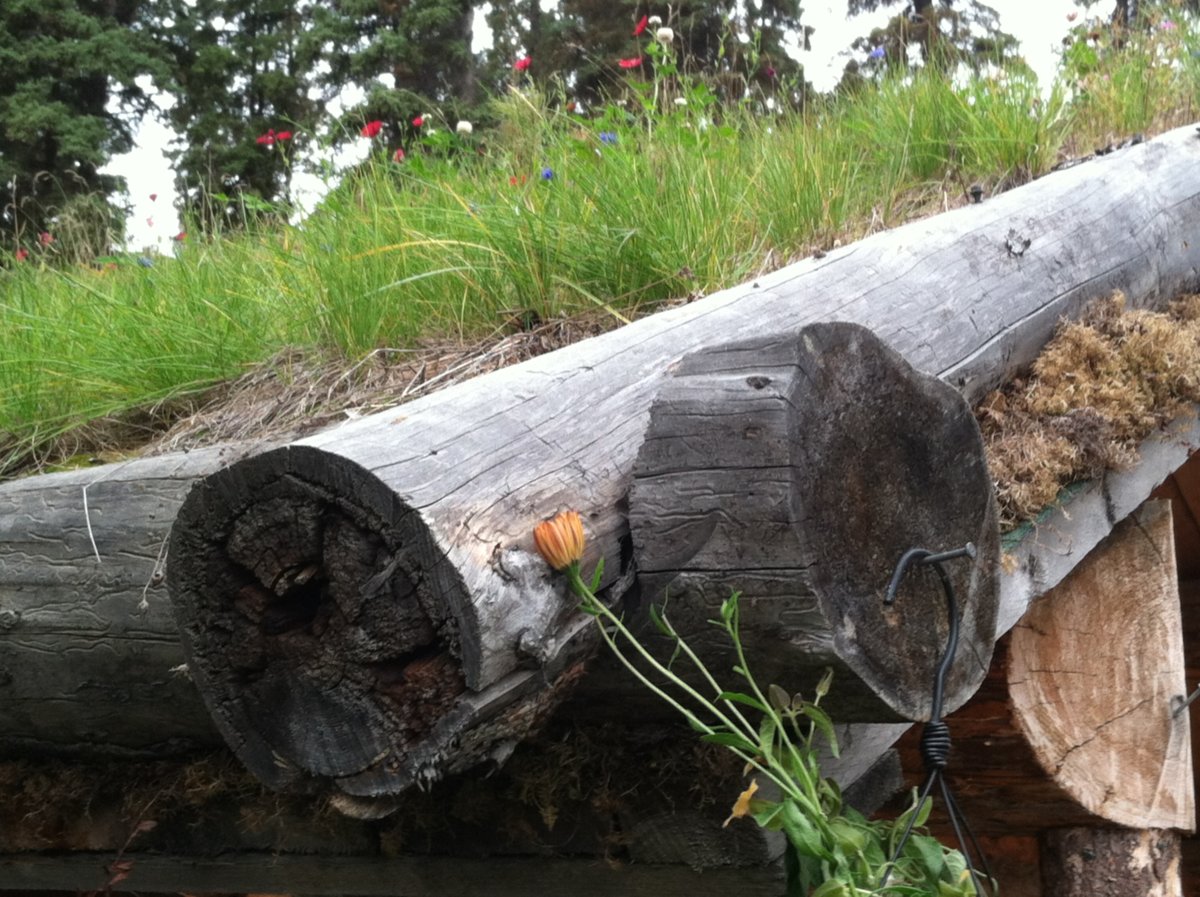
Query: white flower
x=665 y=35
x=654 y=21
x=681 y=101
x=464 y=127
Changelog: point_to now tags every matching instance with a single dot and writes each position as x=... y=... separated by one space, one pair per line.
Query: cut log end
x=798 y=472
x=319 y=629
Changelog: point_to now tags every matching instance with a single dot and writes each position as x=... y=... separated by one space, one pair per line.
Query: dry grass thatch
x=1101 y=386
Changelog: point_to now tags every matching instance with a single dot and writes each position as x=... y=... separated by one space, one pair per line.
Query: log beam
x=1085 y=862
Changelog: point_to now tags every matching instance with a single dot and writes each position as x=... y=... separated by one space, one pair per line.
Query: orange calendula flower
x=741 y=806
x=560 y=539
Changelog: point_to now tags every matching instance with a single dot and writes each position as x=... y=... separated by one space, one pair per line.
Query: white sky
x=1038 y=24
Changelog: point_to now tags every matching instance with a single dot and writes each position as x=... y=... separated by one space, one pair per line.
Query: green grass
x=445 y=245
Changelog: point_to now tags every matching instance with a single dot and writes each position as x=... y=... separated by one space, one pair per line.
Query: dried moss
x=1101 y=386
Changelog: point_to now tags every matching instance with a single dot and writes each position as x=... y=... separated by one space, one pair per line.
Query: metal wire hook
x=935 y=737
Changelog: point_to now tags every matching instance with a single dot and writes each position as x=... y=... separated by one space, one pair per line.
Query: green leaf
x=802 y=833
x=599 y=572
x=659 y=622
x=730 y=739
x=729 y=609
x=738 y=698
x=822 y=721
x=831 y=888
x=766 y=736
x=930 y=855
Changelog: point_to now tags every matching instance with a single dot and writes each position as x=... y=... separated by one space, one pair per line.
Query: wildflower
x=180 y=237
x=22 y=254
x=741 y=806
x=641 y=26
x=522 y=64
x=145 y=262
x=664 y=35
x=149 y=222
x=512 y=180
x=877 y=53
x=371 y=128
x=1167 y=25
x=418 y=121
x=45 y=238
x=284 y=135
x=398 y=155
x=153 y=197
x=608 y=137
x=464 y=127
x=770 y=72
x=630 y=63
x=547 y=174
x=1072 y=15
x=654 y=21
x=680 y=101
x=267 y=139
x=560 y=539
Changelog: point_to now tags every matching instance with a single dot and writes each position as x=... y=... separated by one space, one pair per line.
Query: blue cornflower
x=609 y=137
x=877 y=53
x=145 y=262
x=547 y=174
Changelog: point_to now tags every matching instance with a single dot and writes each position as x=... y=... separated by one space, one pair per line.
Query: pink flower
x=149 y=222
x=45 y=238
x=1167 y=25
x=1072 y=15
x=520 y=65
x=398 y=155
x=371 y=128
x=22 y=254
x=284 y=135
x=418 y=121
x=641 y=25
x=267 y=139
x=153 y=197
x=630 y=63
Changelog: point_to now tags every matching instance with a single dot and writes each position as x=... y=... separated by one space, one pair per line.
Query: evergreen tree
x=241 y=89
x=947 y=34
x=66 y=63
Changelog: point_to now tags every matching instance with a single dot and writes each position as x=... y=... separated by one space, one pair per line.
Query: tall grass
x=550 y=213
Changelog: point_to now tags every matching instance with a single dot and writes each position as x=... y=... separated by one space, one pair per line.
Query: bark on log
x=433 y=503
x=798 y=472
x=1085 y=862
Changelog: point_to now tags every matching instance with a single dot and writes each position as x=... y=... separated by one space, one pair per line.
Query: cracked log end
x=798 y=471
x=1095 y=674
x=325 y=630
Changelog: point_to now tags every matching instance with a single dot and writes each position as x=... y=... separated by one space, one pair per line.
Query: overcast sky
x=1038 y=24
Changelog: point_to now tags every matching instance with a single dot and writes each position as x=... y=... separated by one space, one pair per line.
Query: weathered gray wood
x=798 y=471
x=87 y=639
x=449 y=487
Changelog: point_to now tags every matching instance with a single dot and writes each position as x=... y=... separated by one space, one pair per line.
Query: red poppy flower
x=22 y=254
x=45 y=238
x=522 y=64
x=641 y=25
x=284 y=135
x=398 y=155
x=418 y=121
x=267 y=139
x=180 y=237
x=371 y=128
x=630 y=63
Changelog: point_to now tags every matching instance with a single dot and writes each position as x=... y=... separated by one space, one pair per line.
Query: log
x=797 y=472
x=88 y=639
x=431 y=505
x=1083 y=862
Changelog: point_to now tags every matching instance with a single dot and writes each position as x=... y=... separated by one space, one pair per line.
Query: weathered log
x=1076 y=723
x=90 y=660
x=433 y=504
x=1084 y=862
x=798 y=472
